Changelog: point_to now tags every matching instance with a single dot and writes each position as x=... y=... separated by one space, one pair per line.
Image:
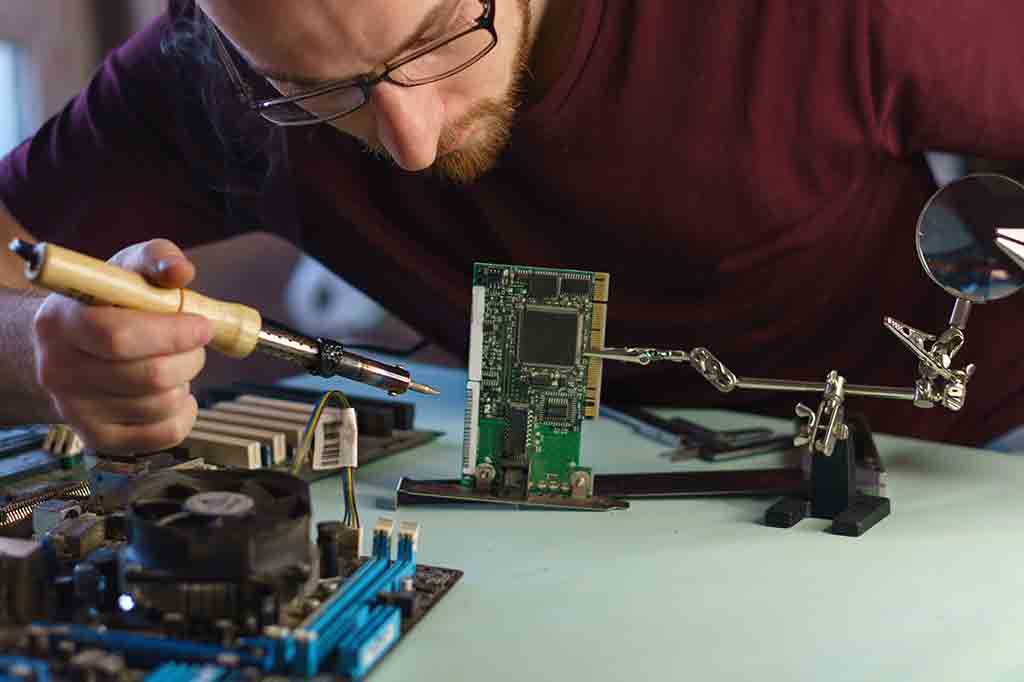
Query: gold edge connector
x=602 y=281
x=598 y=321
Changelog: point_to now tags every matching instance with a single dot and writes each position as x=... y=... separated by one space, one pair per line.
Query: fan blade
x=283 y=508
x=155 y=508
x=181 y=490
x=258 y=493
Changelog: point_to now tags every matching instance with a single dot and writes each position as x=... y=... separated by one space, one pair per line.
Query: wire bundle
x=348 y=486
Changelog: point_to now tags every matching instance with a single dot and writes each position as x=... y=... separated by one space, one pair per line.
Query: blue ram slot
x=360 y=651
x=10 y=665
x=381 y=546
x=141 y=651
x=184 y=672
x=406 y=551
x=309 y=653
x=351 y=613
x=360 y=600
x=350 y=609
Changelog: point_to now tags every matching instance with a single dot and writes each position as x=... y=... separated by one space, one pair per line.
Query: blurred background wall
x=48 y=51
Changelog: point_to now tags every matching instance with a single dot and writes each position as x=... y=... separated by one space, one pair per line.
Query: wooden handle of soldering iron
x=92 y=281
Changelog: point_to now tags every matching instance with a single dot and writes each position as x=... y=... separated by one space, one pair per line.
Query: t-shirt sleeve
x=133 y=157
x=945 y=75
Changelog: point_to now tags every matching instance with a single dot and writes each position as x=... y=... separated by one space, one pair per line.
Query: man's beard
x=490 y=119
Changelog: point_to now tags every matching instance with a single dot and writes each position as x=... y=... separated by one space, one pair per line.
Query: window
x=11 y=105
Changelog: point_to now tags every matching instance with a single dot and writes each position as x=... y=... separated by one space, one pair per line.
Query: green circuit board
x=530 y=385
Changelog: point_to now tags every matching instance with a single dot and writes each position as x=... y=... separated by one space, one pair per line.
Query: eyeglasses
x=470 y=40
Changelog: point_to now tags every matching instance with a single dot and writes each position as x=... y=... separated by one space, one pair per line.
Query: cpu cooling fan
x=211 y=545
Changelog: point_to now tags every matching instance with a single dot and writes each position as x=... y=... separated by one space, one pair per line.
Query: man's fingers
x=138 y=411
x=124 y=439
x=103 y=379
x=160 y=261
x=116 y=334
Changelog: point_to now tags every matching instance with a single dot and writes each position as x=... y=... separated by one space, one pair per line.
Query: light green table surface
x=700 y=589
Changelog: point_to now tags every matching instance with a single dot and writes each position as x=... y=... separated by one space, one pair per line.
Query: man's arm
x=119 y=377
x=24 y=399
x=122 y=164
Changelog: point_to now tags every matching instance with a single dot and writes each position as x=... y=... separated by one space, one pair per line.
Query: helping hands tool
x=238 y=329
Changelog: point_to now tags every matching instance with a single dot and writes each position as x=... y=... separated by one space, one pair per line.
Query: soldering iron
x=238 y=329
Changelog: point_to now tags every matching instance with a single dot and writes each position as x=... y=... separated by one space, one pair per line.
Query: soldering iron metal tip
x=423 y=388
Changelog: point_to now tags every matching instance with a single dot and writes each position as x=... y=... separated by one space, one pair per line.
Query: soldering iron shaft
x=326 y=358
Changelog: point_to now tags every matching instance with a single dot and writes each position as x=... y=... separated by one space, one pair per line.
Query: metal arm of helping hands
x=937 y=384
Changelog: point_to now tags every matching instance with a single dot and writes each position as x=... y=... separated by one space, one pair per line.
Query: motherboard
x=198 y=563
x=530 y=383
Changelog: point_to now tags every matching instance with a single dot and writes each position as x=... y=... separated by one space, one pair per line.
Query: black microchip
x=575 y=287
x=515 y=434
x=489 y=276
x=543 y=286
x=549 y=337
x=554 y=411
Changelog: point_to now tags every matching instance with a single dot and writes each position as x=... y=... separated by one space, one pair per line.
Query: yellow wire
x=302 y=452
x=355 y=507
x=350 y=477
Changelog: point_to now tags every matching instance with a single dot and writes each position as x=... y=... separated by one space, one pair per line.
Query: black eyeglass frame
x=364 y=82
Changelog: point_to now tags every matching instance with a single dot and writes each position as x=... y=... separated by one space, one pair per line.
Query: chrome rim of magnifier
x=1002 y=268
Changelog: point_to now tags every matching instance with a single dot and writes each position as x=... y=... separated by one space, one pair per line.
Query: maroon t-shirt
x=750 y=173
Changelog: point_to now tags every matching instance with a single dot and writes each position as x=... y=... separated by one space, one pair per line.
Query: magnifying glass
x=965 y=237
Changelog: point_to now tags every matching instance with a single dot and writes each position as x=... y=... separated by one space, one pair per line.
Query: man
x=749 y=172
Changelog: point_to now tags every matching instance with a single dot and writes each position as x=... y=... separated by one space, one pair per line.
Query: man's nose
x=409 y=122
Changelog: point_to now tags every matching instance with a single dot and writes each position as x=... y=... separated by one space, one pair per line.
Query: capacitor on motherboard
x=89 y=584
x=328 y=540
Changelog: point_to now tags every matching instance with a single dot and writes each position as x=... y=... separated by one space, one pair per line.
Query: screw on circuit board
x=580 y=481
x=485 y=475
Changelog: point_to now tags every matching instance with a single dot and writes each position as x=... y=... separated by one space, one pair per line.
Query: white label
x=341 y=443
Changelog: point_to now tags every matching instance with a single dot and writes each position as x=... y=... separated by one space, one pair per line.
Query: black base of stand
x=854 y=521
x=832 y=493
x=867 y=510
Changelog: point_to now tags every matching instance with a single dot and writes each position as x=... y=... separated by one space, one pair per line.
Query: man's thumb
x=160 y=261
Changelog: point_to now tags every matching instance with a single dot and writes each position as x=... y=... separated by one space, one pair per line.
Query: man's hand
x=119 y=377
